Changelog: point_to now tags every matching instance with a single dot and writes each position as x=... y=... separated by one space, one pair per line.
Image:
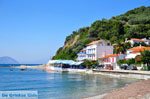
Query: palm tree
x=119 y=48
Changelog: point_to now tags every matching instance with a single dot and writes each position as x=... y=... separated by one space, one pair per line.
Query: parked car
x=109 y=67
x=99 y=67
x=131 y=67
x=124 y=66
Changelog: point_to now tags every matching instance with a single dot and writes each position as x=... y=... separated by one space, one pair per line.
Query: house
x=133 y=52
x=82 y=54
x=95 y=50
x=111 y=60
x=135 y=40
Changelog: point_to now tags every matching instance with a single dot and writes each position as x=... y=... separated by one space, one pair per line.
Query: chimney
x=120 y=53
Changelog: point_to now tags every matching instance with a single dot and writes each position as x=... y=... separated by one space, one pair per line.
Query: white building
x=133 y=41
x=82 y=54
x=95 y=50
x=133 y=52
x=112 y=60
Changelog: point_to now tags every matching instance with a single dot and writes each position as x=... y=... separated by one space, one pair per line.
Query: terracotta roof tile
x=111 y=55
x=83 y=50
x=138 y=49
x=136 y=40
x=94 y=42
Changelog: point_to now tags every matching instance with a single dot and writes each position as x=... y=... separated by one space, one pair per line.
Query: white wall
x=91 y=51
x=104 y=51
x=132 y=55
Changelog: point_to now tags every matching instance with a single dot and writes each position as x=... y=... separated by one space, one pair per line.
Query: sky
x=31 y=31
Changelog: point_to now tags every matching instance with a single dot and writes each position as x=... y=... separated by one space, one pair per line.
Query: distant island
x=8 y=60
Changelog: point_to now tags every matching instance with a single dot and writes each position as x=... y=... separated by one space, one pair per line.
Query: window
x=108 y=44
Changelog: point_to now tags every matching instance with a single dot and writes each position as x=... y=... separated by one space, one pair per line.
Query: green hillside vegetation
x=133 y=24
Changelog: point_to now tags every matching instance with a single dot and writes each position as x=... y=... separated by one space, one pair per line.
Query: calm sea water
x=19 y=64
x=58 y=85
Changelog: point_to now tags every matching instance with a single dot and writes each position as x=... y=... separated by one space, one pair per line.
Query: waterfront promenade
x=125 y=73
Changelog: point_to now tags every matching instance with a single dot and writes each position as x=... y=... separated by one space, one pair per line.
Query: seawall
x=125 y=73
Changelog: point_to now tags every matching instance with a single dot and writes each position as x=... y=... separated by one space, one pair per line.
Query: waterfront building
x=95 y=50
x=82 y=54
x=133 y=52
x=66 y=66
x=111 y=60
x=135 y=40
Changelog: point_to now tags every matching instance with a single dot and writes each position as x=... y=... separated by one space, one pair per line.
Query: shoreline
x=26 y=67
x=143 y=75
x=142 y=87
x=137 y=90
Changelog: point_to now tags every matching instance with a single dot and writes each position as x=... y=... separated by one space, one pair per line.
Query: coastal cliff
x=133 y=24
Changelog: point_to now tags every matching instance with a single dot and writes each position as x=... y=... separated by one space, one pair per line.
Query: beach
x=138 y=90
x=29 y=67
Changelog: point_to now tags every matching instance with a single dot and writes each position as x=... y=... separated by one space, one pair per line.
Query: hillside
x=8 y=60
x=133 y=24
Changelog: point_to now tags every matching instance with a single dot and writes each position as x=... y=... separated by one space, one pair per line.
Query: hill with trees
x=133 y=24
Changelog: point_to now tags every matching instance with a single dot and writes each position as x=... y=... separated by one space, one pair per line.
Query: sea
x=19 y=64
x=55 y=85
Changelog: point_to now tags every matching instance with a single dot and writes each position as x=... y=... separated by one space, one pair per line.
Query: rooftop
x=111 y=55
x=94 y=42
x=136 y=40
x=138 y=49
x=98 y=41
x=83 y=50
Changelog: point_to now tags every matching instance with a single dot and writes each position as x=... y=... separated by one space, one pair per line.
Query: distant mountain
x=8 y=60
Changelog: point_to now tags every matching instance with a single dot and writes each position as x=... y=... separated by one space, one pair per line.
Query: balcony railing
x=81 y=53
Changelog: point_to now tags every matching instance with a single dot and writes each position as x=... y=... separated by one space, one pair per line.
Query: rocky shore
x=138 y=90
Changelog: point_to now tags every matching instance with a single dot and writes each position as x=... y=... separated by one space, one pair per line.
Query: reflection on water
x=59 y=85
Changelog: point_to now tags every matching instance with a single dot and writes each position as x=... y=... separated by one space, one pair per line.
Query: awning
x=69 y=62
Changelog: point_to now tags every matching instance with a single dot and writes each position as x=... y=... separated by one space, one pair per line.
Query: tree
x=127 y=46
x=119 y=48
x=144 y=44
x=87 y=63
x=121 y=61
x=145 y=57
x=92 y=32
x=138 y=59
x=136 y=44
x=95 y=63
x=124 y=61
x=130 y=61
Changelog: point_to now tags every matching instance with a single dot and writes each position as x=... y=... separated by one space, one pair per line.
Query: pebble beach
x=138 y=90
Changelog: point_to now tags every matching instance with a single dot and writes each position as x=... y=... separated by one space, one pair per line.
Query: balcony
x=81 y=53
